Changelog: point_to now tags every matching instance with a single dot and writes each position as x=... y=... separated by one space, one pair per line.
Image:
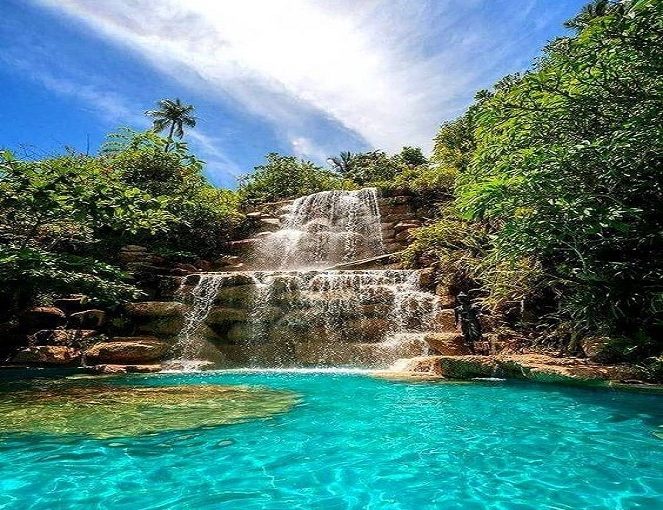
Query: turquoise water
x=354 y=442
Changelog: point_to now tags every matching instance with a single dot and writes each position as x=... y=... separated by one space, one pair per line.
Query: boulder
x=66 y=337
x=447 y=344
x=127 y=350
x=48 y=355
x=88 y=319
x=44 y=317
x=444 y=320
x=155 y=309
x=161 y=327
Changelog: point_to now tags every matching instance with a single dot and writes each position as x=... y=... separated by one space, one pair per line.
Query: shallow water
x=354 y=442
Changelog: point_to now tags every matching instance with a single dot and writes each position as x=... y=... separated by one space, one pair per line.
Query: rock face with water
x=292 y=311
x=310 y=317
x=324 y=229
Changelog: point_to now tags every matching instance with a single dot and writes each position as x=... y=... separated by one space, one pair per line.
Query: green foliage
x=70 y=200
x=63 y=219
x=204 y=216
x=371 y=167
x=456 y=245
x=567 y=169
x=285 y=177
x=29 y=271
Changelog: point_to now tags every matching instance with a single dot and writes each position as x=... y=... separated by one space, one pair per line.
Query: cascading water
x=295 y=314
x=324 y=228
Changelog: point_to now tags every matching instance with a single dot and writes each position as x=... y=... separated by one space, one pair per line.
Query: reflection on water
x=106 y=410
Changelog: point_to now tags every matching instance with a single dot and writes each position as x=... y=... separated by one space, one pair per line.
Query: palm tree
x=343 y=162
x=173 y=114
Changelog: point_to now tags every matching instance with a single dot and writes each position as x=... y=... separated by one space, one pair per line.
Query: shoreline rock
x=532 y=367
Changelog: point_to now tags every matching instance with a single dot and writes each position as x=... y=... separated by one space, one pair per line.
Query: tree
x=567 y=168
x=284 y=177
x=412 y=156
x=342 y=163
x=174 y=115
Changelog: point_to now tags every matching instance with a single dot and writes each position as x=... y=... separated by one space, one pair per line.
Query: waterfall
x=324 y=229
x=203 y=297
x=295 y=312
x=310 y=317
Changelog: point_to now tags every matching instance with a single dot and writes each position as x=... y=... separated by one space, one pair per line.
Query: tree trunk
x=170 y=136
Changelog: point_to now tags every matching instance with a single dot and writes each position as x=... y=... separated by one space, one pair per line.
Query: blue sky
x=310 y=78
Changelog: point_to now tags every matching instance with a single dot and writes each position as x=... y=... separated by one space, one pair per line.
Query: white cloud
x=387 y=70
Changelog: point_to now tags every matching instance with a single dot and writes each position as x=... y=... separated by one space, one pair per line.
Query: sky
x=304 y=77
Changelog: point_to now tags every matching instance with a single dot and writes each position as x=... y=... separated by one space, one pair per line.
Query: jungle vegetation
x=547 y=193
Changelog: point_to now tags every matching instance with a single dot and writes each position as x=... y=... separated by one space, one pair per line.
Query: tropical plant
x=174 y=115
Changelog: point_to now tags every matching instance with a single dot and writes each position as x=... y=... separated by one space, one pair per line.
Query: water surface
x=354 y=442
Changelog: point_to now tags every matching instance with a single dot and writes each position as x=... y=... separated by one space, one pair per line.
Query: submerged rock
x=124 y=369
x=112 y=410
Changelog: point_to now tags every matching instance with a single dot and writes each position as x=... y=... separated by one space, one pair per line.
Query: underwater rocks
x=123 y=350
x=534 y=367
x=98 y=410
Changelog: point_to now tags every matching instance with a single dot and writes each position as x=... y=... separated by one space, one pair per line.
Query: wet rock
x=426 y=278
x=403 y=226
x=48 y=355
x=190 y=268
x=241 y=296
x=536 y=367
x=366 y=330
x=88 y=319
x=239 y=333
x=596 y=348
x=404 y=235
x=447 y=344
x=270 y=224
x=44 y=317
x=127 y=350
x=444 y=321
x=222 y=315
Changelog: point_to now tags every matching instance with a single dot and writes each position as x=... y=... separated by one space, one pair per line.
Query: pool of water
x=350 y=441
